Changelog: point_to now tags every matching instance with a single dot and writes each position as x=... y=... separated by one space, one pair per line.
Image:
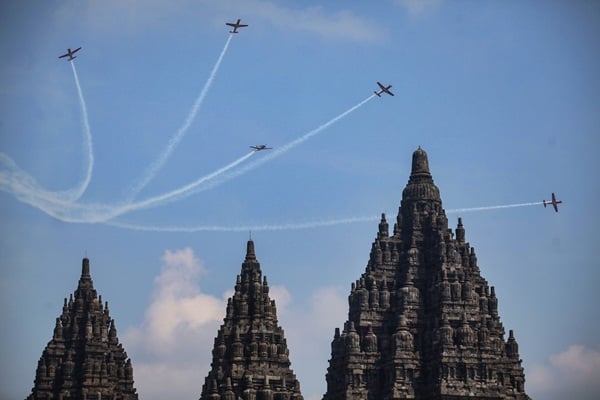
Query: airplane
x=554 y=202
x=235 y=25
x=260 y=147
x=384 y=89
x=70 y=53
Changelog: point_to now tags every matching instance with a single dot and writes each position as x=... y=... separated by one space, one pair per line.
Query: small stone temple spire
x=250 y=251
x=85 y=267
x=384 y=229
x=84 y=357
x=460 y=231
x=85 y=281
x=250 y=355
x=420 y=164
x=420 y=185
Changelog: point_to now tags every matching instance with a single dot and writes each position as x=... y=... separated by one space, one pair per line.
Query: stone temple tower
x=423 y=323
x=84 y=360
x=250 y=354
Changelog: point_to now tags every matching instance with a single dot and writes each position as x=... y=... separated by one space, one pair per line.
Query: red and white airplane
x=235 y=26
x=384 y=89
x=554 y=202
x=70 y=53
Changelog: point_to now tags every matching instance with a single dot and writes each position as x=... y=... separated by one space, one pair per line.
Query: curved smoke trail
x=34 y=195
x=26 y=189
x=76 y=194
x=174 y=141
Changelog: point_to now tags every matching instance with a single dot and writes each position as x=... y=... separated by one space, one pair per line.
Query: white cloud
x=178 y=307
x=131 y=16
x=281 y=296
x=574 y=373
x=419 y=7
x=163 y=380
x=338 y=25
x=118 y=17
x=581 y=364
x=309 y=331
x=171 y=348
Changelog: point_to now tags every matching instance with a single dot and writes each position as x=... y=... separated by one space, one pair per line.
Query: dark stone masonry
x=423 y=323
x=84 y=360
x=250 y=355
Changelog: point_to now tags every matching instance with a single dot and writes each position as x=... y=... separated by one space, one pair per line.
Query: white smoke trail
x=243 y=228
x=61 y=205
x=76 y=194
x=173 y=195
x=26 y=189
x=458 y=210
x=288 y=226
x=212 y=180
x=174 y=141
x=58 y=208
x=280 y=150
x=26 y=186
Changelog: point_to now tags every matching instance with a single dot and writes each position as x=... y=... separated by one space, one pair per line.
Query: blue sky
x=504 y=97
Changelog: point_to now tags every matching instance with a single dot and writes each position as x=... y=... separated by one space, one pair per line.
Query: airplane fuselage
x=235 y=26
x=553 y=202
x=384 y=89
x=260 y=147
x=70 y=53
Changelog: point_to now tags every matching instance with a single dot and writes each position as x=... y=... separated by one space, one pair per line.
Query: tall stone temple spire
x=423 y=323
x=84 y=360
x=250 y=356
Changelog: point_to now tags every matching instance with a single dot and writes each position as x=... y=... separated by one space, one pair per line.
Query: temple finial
x=85 y=267
x=420 y=183
x=250 y=250
x=420 y=163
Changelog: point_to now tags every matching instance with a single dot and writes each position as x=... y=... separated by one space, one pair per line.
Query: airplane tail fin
x=545 y=204
x=378 y=95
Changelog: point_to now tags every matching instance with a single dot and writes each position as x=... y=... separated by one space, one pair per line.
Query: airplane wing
x=554 y=202
x=63 y=56
x=230 y=24
x=242 y=26
x=381 y=86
